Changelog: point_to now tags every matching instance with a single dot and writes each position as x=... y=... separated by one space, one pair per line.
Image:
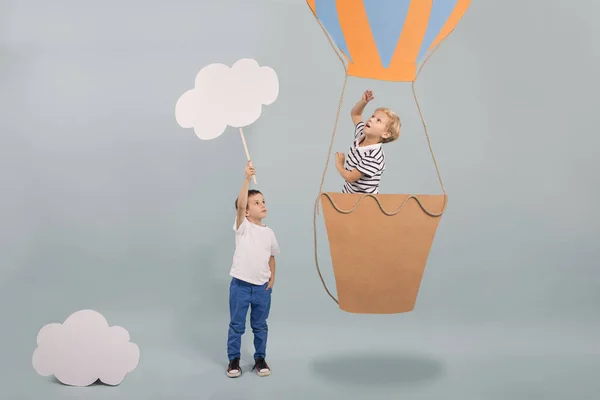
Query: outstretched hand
x=250 y=172
x=368 y=96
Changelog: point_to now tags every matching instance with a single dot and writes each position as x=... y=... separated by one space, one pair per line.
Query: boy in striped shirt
x=365 y=164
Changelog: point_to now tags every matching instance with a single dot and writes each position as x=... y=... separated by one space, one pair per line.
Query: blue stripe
x=386 y=19
x=440 y=12
x=326 y=11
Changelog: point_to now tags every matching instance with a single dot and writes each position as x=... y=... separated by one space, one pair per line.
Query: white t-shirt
x=254 y=246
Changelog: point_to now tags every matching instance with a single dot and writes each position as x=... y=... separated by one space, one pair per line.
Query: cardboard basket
x=378 y=260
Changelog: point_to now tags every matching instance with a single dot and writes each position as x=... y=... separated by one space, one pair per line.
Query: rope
x=337 y=117
x=316 y=208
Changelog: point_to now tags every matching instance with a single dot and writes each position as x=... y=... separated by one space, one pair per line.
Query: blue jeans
x=244 y=295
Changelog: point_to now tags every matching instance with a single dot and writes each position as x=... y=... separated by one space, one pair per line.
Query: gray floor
x=351 y=361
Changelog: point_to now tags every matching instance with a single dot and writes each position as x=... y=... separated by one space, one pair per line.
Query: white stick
x=246 y=149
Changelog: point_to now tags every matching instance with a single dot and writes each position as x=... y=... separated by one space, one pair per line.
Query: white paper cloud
x=85 y=349
x=225 y=96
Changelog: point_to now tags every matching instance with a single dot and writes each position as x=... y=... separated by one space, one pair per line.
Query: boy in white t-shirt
x=253 y=275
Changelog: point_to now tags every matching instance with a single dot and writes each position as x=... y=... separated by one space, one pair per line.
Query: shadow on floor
x=98 y=382
x=377 y=369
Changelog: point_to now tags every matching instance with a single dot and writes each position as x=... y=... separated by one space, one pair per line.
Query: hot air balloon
x=383 y=40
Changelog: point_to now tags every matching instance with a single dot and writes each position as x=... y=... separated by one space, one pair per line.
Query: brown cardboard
x=379 y=260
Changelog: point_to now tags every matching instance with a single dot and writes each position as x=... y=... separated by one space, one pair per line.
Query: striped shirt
x=369 y=160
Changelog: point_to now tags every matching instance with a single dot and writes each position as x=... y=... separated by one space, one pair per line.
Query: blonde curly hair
x=393 y=124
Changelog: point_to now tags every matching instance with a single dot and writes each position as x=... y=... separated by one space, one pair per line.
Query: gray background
x=108 y=204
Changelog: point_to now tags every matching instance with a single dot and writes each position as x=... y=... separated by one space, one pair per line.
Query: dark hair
x=251 y=192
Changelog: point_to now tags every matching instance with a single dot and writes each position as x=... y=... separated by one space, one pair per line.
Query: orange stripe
x=453 y=20
x=313 y=8
x=312 y=5
x=357 y=32
x=413 y=32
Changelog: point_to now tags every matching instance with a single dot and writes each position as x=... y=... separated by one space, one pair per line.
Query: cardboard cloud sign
x=84 y=349
x=224 y=96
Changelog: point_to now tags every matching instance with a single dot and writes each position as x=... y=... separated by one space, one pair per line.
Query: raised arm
x=357 y=110
x=242 y=201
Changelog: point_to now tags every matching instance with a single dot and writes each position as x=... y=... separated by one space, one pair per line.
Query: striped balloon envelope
x=385 y=39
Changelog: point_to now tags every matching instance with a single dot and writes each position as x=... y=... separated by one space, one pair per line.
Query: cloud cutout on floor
x=84 y=349
x=224 y=96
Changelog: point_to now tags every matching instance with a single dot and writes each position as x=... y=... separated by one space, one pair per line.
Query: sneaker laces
x=260 y=364
x=234 y=364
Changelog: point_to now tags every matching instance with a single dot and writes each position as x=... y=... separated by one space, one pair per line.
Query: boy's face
x=256 y=207
x=376 y=126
